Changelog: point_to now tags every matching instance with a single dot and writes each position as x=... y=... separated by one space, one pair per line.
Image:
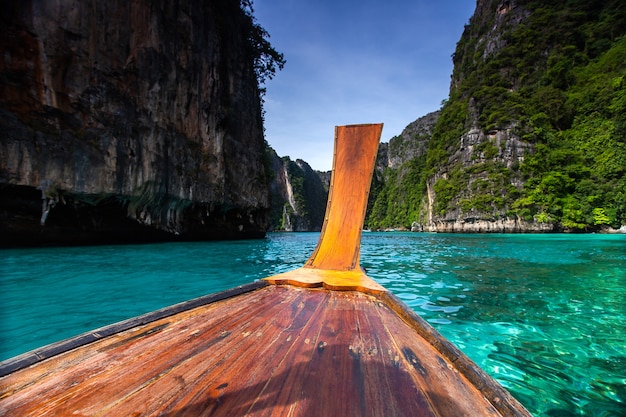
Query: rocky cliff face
x=298 y=195
x=129 y=120
x=487 y=164
x=531 y=138
x=395 y=188
x=412 y=142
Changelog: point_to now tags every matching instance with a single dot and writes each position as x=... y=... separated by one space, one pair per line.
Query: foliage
x=266 y=59
x=586 y=161
x=309 y=198
x=396 y=199
x=554 y=76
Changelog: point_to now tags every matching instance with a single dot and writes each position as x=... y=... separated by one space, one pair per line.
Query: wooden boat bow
x=334 y=263
x=322 y=340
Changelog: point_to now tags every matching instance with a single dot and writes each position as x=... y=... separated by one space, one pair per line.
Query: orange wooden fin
x=335 y=262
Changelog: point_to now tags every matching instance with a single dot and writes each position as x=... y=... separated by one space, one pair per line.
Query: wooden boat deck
x=273 y=351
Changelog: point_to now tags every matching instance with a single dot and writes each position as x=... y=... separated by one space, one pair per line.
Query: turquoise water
x=543 y=314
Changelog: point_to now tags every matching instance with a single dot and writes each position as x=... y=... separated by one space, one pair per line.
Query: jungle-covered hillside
x=533 y=134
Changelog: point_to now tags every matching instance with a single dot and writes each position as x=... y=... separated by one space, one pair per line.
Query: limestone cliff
x=531 y=138
x=412 y=142
x=129 y=121
x=298 y=195
x=396 y=189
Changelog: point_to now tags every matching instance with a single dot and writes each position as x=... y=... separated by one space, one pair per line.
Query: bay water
x=545 y=315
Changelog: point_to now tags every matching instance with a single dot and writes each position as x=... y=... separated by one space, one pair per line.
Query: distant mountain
x=298 y=194
x=533 y=134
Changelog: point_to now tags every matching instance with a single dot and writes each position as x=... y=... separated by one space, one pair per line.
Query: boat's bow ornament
x=335 y=262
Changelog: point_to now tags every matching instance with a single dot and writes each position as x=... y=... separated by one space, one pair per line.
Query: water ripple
x=543 y=314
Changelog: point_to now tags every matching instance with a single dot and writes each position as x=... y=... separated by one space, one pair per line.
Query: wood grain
x=353 y=164
x=334 y=263
x=275 y=351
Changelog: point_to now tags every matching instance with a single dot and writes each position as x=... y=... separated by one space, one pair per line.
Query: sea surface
x=545 y=315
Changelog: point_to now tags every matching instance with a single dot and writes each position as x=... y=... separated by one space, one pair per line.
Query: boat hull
x=262 y=349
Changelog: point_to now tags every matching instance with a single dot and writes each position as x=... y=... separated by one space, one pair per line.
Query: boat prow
x=322 y=340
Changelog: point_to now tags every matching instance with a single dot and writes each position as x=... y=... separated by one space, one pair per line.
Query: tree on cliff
x=267 y=60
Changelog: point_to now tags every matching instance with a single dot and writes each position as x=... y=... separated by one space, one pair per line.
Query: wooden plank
x=280 y=393
x=391 y=389
x=213 y=379
x=349 y=370
x=353 y=280
x=37 y=355
x=249 y=391
x=197 y=383
x=439 y=379
x=110 y=367
x=329 y=372
x=505 y=403
x=353 y=164
x=277 y=351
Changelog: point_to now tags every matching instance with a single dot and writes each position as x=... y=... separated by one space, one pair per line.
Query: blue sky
x=355 y=62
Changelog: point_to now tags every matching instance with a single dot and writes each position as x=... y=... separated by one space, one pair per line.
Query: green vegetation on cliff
x=298 y=194
x=396 y=199
x=550 y=79
x=266 y=59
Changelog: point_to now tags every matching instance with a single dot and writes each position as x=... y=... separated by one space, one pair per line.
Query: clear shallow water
x=543 y=314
